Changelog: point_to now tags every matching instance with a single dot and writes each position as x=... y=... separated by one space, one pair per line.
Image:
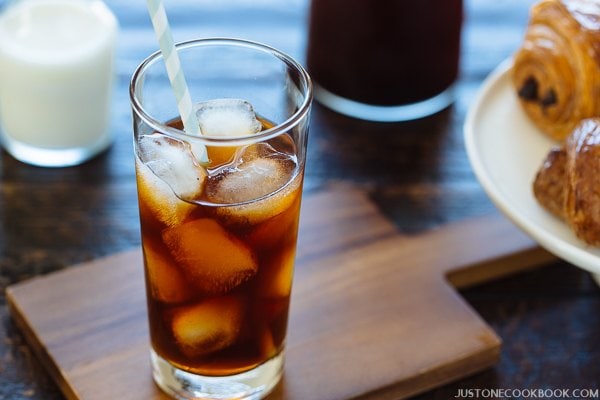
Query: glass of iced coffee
x=219 y=214
x=384 y=60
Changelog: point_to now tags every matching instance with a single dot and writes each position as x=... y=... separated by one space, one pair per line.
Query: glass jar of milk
x=56 y=75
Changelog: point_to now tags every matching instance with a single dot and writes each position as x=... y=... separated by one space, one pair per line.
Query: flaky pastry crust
x=556 y=71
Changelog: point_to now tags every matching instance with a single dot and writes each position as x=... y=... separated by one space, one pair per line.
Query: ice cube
x=209 y=326
x=173 y=161
x=250 y=180
x=278 y=273
x=268 y=348
x=280 y=229
x=167 y=282
x=157 y=199
x=215 y=260
x=227 y=117
x=258 y=211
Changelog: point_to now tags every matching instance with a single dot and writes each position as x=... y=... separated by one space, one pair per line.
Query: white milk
x=56 y=73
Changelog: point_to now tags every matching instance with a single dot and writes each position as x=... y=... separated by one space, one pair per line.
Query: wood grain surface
x=372 y=313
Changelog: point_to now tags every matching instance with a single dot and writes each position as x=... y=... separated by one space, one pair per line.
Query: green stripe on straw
x=162 y=29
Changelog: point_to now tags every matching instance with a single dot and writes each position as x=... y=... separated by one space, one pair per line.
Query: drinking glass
x=385 y=60
x=219 y=214
x=56 y=78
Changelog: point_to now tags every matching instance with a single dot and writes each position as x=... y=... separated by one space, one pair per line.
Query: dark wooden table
x=416 y=172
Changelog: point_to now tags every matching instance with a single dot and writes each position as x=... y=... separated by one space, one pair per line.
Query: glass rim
x=274 y=131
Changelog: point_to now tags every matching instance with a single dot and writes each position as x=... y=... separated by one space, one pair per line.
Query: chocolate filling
x=549 y=99
x=529 y=90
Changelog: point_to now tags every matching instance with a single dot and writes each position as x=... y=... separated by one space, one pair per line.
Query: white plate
x=505 y=150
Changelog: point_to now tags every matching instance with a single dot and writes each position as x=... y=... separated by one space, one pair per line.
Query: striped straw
x=176 y=76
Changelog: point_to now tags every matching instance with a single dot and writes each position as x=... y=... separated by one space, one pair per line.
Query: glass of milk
x=56 y=75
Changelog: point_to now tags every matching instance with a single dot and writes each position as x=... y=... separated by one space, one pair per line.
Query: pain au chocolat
x=567 y=184
x=556 y=71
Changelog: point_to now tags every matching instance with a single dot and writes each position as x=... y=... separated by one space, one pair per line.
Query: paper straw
x=158 y=15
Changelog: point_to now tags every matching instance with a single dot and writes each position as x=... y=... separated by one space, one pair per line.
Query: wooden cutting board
x=373 y=313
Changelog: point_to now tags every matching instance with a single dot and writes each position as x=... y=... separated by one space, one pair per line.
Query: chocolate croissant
x=549 y=186
x=556 y=71
x=568 y=183
x=582 y=196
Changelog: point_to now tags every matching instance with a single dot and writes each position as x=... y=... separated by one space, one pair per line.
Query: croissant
x=556 y=71
x=582 y=196
x=568 y=182
x=549 y=186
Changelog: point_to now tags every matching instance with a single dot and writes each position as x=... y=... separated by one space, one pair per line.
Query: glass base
x=371 y=112
x=47 y=157
x=250 y=385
